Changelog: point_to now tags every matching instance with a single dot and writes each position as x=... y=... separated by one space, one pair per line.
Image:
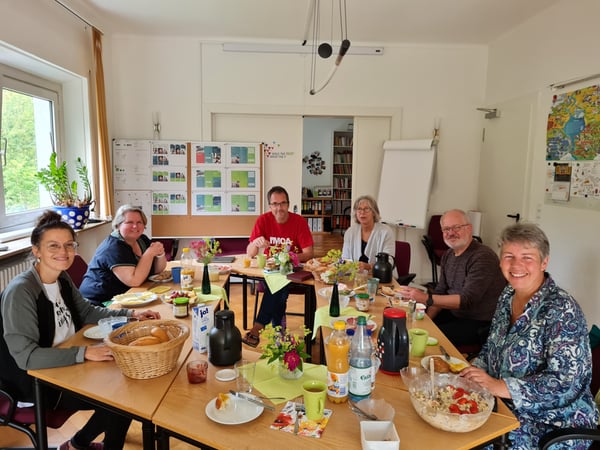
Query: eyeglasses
x=360 y=210
x=454 y=228
x=55 y=247
x=278 y=204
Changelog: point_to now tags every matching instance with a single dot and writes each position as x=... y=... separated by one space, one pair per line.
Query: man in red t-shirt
x=279 y=227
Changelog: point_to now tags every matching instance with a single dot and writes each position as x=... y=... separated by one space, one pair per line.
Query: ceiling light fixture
x=324 y=49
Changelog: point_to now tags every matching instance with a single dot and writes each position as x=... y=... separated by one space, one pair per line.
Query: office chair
x=171 y=247
x=434 y=245
x=77 y=270
x=586 y=434
x=402 y=258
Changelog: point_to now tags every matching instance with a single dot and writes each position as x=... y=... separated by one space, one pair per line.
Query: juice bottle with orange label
x=187 y=270
x=337 y=348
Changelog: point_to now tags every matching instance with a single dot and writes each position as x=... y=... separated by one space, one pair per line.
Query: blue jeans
x=273 y=306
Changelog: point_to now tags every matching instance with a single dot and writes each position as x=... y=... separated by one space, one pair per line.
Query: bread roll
x=159 y=333
x=440 y=365
x=145 y=340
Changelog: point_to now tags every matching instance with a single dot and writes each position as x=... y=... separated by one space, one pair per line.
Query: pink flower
x=292 y=360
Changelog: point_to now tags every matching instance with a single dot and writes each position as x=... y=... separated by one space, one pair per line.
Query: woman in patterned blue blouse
x=537 y=356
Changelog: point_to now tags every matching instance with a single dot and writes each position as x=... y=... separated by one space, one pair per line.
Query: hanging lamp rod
x=563 y=84
x=76 y=14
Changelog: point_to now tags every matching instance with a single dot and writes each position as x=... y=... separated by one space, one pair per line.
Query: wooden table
x=104 y=384
x=254 y=273
x=181 y=415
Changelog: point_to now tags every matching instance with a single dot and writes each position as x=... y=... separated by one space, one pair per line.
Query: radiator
x=12 y=267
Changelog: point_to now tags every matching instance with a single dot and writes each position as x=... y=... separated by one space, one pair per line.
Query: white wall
x=559 y=44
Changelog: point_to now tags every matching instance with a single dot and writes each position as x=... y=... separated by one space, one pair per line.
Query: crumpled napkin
x=276 y=281
x=323 y=319
x=215 y=291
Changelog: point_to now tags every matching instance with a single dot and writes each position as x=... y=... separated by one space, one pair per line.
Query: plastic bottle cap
x=362 y=320
x=339 y=325
x=181 y=300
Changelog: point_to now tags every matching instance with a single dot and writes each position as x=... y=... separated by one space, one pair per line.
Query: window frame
x=36 y=86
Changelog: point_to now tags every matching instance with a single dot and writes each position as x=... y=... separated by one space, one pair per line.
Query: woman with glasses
x=368 y=236
x=40 y=309
x=125 y=259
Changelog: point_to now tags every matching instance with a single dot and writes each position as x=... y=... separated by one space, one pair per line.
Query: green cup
x=418 y=338
x=315 y=393
x=261 y=260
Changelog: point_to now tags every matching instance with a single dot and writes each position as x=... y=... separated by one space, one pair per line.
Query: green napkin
x=270 y=384
x=276 y=281
x=323 y=319
x=216 y=293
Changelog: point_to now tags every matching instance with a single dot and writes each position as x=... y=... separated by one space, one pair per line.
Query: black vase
x=205 y=280
x=334 y=303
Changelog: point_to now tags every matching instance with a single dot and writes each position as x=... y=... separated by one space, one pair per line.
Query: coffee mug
x=315 y=393
x=418 y=337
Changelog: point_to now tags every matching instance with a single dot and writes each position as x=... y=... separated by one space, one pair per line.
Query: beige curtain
x=104 y=205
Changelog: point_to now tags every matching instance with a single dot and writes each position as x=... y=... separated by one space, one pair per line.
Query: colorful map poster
x=573 y=131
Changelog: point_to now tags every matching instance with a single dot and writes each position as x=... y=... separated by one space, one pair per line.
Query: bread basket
x=150 y=361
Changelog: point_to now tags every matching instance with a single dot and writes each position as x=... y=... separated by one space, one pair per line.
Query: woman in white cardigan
x=368 y=236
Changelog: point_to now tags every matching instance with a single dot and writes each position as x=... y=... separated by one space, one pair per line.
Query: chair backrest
x=402 y=257
x=434 y=231
x=77 y=270
x=171 y=247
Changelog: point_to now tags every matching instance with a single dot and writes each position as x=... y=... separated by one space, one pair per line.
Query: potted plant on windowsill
x=74 y=209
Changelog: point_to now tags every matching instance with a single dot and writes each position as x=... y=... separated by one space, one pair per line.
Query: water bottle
x=187 y=270
x=361 y=350
x=375 y=362
x=337 y=348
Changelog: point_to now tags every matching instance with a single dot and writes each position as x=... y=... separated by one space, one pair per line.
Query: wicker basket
x=149 y=361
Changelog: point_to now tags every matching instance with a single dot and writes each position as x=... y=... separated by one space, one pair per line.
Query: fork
x=299 y=407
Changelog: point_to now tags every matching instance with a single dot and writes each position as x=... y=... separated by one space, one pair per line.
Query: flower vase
x=287 y=374
x=285 y=268
x=334 y=302
x=205 y=280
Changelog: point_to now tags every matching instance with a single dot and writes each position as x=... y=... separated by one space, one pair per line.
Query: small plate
x=432 y=341
x=453 y=361
x=159 y=279
x=242 y=411
x=326 y=291
x=225 y=375
x=133 y=299
x=94 y=333
x=224 y=269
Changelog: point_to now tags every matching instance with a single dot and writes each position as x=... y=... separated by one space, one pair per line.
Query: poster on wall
x=169 y=153
x=243 y=155
x=206 y=153
x=242 y=203
x=128 y=173
x=242 y=179
x=169 y=203
x=205 y=178
x=208 y=203
x=172 y=178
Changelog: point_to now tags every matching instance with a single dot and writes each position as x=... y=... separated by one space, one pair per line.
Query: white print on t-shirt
x=280 y=241
x=63 y=322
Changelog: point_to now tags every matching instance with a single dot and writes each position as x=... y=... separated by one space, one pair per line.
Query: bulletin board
x=406 y=176
x=196 y=188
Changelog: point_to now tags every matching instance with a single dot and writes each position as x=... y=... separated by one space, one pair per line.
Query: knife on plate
x=252 y=400
x=445 y=353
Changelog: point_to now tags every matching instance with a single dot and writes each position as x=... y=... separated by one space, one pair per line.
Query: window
x=28 y=131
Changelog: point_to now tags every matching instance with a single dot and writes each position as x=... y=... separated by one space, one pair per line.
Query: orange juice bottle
x=337 y=348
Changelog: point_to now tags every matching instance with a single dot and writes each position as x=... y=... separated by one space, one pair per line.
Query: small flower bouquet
x=338 y=270
x=283 y=346
x=284 y=258
x=205 y=249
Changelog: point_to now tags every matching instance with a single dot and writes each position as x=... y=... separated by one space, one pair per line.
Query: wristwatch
x=429 y=300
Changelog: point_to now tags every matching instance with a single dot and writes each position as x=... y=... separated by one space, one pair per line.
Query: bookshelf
x=317 y=211
x=342 y=180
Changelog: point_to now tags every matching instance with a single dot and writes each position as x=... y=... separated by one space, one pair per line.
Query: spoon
x=432 y=375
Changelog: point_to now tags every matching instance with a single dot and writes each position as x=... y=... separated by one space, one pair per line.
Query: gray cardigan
x=381 y=240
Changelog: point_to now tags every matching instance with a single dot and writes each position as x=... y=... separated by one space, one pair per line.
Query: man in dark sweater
x=464 y=300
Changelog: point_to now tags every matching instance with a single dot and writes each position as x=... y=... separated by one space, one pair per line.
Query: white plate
x=225 y=375
x=94 y=333
x=224 y=269
x=370 y=323
x=135 y=299
x=453 y=360
x=156 y=279
x=241 y=411
x=326 y=291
